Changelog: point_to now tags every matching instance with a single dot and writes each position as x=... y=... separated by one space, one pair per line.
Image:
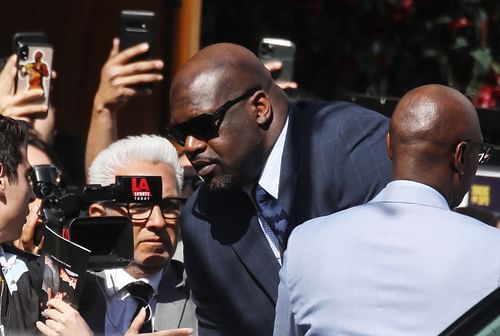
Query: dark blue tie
x=142 y=294
x=273 y=213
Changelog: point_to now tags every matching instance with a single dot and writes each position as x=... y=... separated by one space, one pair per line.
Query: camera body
x=110 y=238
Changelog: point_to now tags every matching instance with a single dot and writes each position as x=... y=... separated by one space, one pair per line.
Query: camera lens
x=266 y=50
x=23 y=53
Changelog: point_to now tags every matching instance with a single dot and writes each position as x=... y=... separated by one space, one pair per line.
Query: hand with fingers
x=136 y=325
x=24 y=104
x=62 y=319
x=31 y=239
x=274 y=66
x=121 y=76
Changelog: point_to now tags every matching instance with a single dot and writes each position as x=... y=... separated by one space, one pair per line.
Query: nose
x=156 y=219
x=193 y=144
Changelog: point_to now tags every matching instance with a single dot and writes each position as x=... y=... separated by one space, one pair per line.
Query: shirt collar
x=270 y=178
x=117 y=278
x=405 y=191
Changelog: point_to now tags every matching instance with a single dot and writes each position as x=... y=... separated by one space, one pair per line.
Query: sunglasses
x=485 y=150
x=205 y=126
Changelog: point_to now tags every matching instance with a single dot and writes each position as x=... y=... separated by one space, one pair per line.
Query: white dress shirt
x=120 y=306
x=269 y=181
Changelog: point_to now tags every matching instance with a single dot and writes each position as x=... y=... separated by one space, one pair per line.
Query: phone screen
x=34 y=68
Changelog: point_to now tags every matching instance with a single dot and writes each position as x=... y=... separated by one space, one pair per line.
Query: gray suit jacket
x=174 y=308
x=403 y=264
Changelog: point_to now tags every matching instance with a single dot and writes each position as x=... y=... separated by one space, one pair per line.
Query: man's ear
x=459 y=158
x=96 y=210
x=262 y=108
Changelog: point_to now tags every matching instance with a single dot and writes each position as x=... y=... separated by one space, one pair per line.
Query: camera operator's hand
x=121 y=78
x=29 y=240
x=62 y=319
x=136 y=325
x=274 y=66
x=25 y=104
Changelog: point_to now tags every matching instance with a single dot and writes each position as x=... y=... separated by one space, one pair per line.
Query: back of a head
x=13 y=137
x=142 y=148
x=426 y=127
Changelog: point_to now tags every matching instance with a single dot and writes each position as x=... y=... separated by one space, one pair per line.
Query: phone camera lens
x=23 y=53
x=266 y=50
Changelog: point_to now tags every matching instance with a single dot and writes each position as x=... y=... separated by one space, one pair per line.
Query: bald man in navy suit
x=242 y=134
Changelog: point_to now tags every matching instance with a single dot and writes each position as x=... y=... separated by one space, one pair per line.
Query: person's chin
x=222 y=183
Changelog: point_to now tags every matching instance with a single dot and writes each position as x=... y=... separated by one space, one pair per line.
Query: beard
x=228 y=179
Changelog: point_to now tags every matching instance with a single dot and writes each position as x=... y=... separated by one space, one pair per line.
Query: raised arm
x=121 y=78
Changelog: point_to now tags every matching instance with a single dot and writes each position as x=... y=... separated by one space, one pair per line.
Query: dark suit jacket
x=334 y=157
x=174 y=309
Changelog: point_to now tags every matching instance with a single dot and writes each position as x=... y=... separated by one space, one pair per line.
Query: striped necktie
x=272 y=213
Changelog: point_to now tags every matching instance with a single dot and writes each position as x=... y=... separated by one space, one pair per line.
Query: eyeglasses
x=170 y=208
x=485 y=150
x=205 y=126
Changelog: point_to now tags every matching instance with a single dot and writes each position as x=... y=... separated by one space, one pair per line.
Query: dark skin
x=216 y=74
x=426 y=140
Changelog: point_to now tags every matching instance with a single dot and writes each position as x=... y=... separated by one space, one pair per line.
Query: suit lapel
x=235 y=224
x=255 y=254
x=172 y=298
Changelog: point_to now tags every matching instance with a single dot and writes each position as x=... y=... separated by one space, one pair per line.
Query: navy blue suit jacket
x=335 y=157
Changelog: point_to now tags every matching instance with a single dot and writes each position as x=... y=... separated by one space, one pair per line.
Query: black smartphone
x=34 y=63
x=137 y=27
x=276 y=49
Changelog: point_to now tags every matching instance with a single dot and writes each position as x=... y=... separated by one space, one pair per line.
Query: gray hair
x=148 y=148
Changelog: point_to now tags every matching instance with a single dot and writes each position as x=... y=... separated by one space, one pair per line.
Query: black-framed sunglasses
x=205 y=126
x=485 y=150
x=170 y=208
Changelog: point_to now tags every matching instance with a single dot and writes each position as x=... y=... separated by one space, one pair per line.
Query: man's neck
x=141 y=271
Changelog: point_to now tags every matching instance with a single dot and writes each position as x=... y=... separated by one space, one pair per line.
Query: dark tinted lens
x=175 y=135
x=485 y=153
x=201 y=127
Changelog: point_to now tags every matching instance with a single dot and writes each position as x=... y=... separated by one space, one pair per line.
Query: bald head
x=220 y=70
x=428 y=125
x=227 y=90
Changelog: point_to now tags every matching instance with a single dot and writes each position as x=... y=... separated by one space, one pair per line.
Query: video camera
x=109 y=238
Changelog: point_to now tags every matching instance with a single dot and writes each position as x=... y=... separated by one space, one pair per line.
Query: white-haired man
x=108 y=305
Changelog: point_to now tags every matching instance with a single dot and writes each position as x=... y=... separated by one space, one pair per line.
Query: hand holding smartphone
x=275 y=49
x=34 y=64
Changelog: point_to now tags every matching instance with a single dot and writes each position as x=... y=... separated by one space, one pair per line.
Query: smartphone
x=276 y=49
x=34 y=64
x=137 y=27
